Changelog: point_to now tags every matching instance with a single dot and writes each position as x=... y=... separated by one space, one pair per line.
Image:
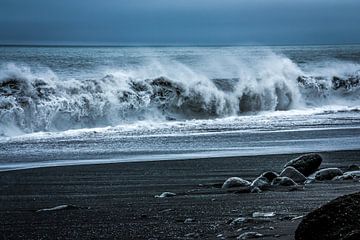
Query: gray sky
x=179 y=21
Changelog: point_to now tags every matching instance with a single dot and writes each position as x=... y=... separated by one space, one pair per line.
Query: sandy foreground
x=116 y=201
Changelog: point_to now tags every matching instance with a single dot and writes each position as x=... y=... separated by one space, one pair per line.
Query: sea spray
x=33 y=101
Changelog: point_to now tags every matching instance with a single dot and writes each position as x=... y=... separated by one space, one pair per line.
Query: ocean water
x=80 y=105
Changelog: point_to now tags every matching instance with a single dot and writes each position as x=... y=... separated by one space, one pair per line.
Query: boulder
x=269 y=175
x=327 y=174
x=337 y=220
x=260 y=182
x=306 y=164
x=235 y=182
x=283 y=181
x=352 y=174
x=294 y=174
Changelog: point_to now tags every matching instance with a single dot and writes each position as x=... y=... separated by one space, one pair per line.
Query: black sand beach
x=116 y=201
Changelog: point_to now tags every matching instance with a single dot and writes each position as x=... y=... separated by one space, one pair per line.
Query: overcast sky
x=179 y=21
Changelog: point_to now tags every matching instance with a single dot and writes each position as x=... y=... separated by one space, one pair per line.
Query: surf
x=33 y=101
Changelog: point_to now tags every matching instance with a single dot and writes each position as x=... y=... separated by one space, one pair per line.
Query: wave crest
x=37 y=102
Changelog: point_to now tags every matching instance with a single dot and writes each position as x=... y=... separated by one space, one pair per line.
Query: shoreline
x=116 y=200
x=154 y=158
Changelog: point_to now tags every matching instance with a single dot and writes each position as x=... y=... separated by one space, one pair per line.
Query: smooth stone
x=237 y=221
x=269 y=175
x=263 y=214
x=337 y=220
x=283 y=181
x=235 y=182
x=327 y=174
x=294 y=174
x=166 y=194
x=188 y=220
x=306 y=164
x=342 y=177
x=261 y=183
x=249 y=235
x=353 y=174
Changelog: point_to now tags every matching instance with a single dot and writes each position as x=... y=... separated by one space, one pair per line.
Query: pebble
x=250 y=235
x=166 y=194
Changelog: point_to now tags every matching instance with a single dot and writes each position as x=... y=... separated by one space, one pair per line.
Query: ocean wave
x=41 y=101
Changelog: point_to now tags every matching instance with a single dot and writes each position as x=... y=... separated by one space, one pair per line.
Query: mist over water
x=34 y=97
x=111 y=96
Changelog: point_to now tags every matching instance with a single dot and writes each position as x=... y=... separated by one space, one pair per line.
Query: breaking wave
x=41 y=101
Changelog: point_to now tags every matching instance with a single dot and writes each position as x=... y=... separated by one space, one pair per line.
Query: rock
x=235 y=182
x=269 y=175
x=337 y=220
x=342 y=177
x=166 y=194
x=294 y=174
x=306 y=164
x=261 y=182
x=192 y=235
x=353 y=167
x=238 y=221
x=327 y=174
x=188 y=220
x=283 y=181
x=352 y=174
x=250 y=235
x=263 y=214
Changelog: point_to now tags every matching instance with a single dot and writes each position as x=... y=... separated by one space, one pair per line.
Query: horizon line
x=168 y=45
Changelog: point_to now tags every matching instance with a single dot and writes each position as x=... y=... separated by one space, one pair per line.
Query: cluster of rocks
x=297 y=172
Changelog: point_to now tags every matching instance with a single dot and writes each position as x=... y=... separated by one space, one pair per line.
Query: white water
x=33 y=101
x=172 y=103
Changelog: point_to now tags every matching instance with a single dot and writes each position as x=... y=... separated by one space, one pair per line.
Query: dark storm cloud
x=179 y=22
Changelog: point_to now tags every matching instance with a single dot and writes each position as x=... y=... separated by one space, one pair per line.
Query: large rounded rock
x=327 y=174
x=269 y=175
x=306 y=164
x=336 y=220
x=261 y=182
x=294 y=174
x=235 y=182
x=353 y=174
x=283 y=181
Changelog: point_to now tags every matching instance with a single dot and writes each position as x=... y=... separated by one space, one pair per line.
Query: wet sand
x=116 y=201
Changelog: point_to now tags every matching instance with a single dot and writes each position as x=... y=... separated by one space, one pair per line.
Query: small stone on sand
x=166 y=194
x=249 y=235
